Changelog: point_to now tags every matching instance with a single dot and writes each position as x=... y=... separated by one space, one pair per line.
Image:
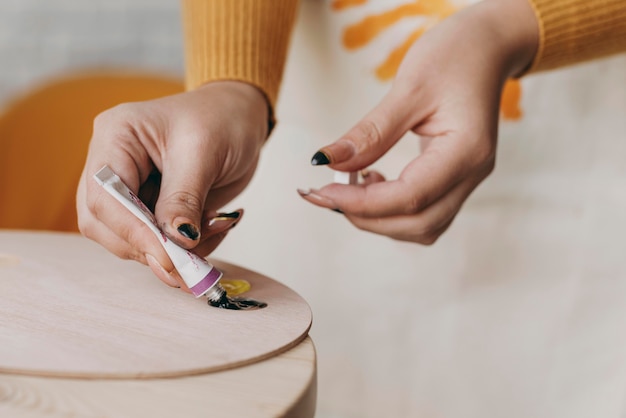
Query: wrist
x=248 y=95
x=515 y=32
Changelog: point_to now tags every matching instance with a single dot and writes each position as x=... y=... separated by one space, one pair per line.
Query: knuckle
x=186 y=199
x=112 y=116
x=135 y=239
x=132 y=255
x=483 y=154
x=428 y=240
x=369 y=134
x=424 y=233
x=102 y=119
x=416 y=203
x=86 y=228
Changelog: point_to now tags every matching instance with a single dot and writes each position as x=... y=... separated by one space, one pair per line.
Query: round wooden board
x=71 y=309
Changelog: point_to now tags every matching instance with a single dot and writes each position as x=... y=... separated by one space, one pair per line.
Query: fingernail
x=312 y=194
x=225 y=217
x=165 y=276
x=320 y=158
x=188 y=231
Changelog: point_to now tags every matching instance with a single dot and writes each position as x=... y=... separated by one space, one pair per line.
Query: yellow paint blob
x=235 y=287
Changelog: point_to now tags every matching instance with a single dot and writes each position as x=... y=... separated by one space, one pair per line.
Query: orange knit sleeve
x=244 y=40
x=572 y=31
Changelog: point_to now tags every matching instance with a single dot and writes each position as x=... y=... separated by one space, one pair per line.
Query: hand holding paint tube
x=186 y=156
x=200 y=276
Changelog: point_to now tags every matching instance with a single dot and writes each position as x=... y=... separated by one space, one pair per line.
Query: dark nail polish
x=231 y=215
x=337 y=210
x=320 y=159
x=188 y=231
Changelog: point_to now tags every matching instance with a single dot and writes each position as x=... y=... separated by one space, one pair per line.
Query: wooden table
x=86 y=377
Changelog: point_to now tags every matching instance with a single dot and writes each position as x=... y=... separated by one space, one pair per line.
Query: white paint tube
x=198 y=274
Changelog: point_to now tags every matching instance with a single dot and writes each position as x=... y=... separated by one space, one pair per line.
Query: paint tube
x=199 y=275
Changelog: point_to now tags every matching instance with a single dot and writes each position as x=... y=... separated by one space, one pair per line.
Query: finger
x=424 y=227
x=372 y=137
x=137 y=237
x=161 y=272
x=185 y=183
x=371 y=177
x=210 y=244
x=221 y=222
x=164 y=269
x=217 y=227
x=160 y=263
x=441 y=167
x=97 y=231
x=313 y=195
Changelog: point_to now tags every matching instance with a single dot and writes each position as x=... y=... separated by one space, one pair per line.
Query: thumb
x=184 y=189
x=372 y=137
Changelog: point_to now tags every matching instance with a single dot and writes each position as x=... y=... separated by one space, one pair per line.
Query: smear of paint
x=235 y=287
x=363 y=32
x=237 y=304
x=219 y=298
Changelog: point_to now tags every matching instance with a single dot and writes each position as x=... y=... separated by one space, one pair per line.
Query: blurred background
x=518 y=310
x=40 y=40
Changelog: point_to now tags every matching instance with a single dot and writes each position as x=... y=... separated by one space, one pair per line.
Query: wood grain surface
x=70 y=309
x=282 y=386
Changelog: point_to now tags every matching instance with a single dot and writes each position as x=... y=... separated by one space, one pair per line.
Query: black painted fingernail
x=188 y=231
x=230 y=215
x=337 y=210
x=225 y=217
x=320 y=159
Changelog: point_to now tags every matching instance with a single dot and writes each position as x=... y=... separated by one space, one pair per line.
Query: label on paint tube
x=199 y=275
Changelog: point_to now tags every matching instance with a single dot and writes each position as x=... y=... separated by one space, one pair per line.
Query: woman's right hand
x=186 y=156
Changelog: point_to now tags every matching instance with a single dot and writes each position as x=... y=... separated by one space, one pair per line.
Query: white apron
x=519 y=310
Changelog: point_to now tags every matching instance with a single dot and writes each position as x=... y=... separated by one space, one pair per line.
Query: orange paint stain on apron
x=511 y=98
x=363 y=32
x=388 y=69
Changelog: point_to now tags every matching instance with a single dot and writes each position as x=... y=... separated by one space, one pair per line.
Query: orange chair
x=44 y=137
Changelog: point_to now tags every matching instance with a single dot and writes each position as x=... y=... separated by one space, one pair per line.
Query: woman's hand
x=447 y=91
x=186 y=156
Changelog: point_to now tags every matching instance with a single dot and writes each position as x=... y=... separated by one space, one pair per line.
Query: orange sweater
x=247 y=40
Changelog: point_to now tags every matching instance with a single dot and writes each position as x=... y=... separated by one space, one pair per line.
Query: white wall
x=42 y=39
x=517 y=311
